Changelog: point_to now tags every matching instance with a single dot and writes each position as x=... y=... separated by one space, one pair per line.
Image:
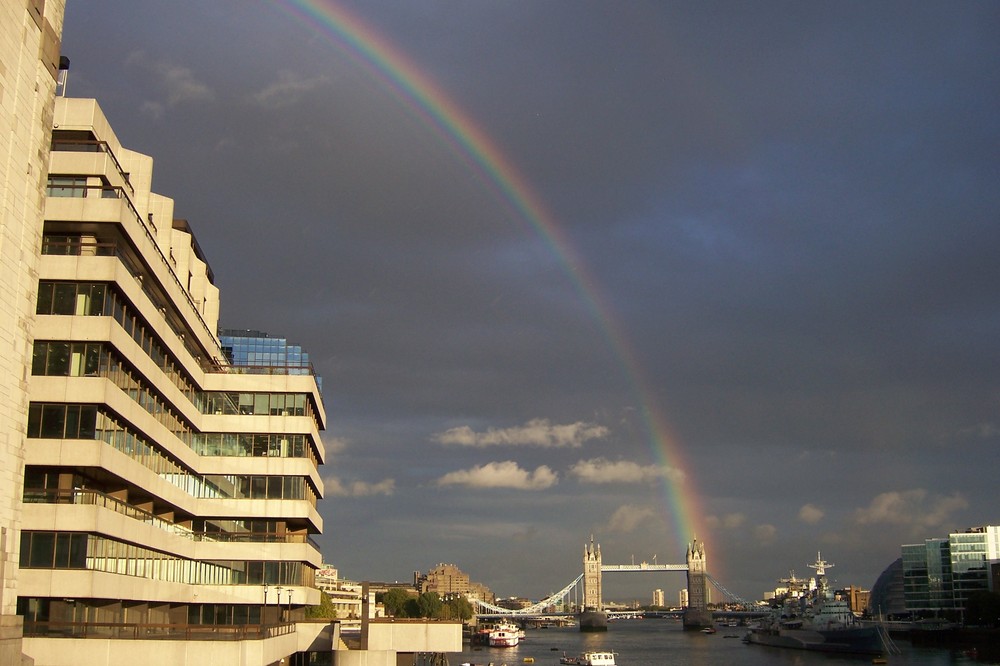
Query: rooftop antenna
x=62 y=76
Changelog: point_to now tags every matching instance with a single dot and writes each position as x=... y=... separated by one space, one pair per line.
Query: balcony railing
x=79 y=248
x=89 y=497
x=76 y=190
x=300 y=369
x=90 y=146
x=135 y=631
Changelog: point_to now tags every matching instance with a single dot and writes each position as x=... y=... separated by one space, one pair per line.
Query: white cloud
x=179 y=83
x=152 y=110
x=980 y=431
x=628 y=517
x=507 y=474
x=914 y=508
x=334 y=444
x=811 y=514
x=287 y=91
x=334 y=487
x=537 y=432
x=765 y=533
x=602 y=470
x=729 y=521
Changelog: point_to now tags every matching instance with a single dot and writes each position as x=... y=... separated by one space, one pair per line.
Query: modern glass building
x=972 y=555
x=259 y=352
x=927 y=576
x=941 y=573
x=167 y=492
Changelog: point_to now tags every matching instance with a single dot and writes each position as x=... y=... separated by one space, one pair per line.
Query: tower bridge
x=590 y=609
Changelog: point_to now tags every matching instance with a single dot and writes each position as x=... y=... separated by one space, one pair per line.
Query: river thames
x=664 y=642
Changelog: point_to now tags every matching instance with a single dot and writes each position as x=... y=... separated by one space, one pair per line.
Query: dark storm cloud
x=790 y=210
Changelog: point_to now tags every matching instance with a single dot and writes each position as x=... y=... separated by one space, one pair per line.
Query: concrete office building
x=30 y=31
x=157 y=499
x=167 y=491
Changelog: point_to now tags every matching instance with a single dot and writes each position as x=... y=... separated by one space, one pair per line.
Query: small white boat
x=592 y=658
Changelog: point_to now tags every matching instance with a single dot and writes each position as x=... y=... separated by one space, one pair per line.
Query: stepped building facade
x=158 y=478
x=168 y=491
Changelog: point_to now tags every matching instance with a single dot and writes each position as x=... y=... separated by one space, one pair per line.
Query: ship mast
x=821 y=566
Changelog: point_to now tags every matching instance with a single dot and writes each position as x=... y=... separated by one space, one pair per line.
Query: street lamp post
x=263 y=608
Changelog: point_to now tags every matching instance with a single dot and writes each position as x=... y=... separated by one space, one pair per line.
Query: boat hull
x=504 y=641
x=861 y=640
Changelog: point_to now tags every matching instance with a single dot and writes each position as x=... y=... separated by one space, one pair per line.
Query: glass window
x=274 y=484
x=57 y=363
x=258 y=487
x=53 y=420
x=67 y=186
x=34 y=420
x=42 y=546
x=88 y=422
x=93 y=362
x=96 y=300
x=72 y=428
x=64 y=299
x=38 y=353
x=62 y=550
x=44 y=303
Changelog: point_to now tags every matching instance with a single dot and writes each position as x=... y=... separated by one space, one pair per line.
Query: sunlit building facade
x=29 y=73
x=941 y=573
x=169 y=491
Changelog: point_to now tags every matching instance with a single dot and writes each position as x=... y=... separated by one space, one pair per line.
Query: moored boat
x=590 y=658
x=505 y=634
x=817 y=622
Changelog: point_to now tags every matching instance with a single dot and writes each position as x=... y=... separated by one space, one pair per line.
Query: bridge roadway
x=642 y=566
x=625 y=614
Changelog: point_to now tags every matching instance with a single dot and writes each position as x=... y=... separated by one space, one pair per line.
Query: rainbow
x=370 y=50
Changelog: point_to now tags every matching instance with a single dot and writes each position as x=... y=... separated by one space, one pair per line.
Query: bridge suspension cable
x=729 y=595
x=534 y=609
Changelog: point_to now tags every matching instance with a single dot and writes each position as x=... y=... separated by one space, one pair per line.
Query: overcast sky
x=776 y=225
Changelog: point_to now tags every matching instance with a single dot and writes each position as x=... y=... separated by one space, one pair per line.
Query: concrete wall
x=414 y=635
x=314 y=636
x=30 y=32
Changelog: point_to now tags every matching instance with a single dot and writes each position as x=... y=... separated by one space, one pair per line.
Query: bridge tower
x=697 y=615
x=592 y=596
x=592 y=615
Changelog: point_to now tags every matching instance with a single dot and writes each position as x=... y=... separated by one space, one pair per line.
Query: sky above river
x=647 y=271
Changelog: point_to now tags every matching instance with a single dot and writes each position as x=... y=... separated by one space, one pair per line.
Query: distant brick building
x=448 y=579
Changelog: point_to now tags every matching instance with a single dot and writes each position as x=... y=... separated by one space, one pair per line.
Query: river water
x=665 y=643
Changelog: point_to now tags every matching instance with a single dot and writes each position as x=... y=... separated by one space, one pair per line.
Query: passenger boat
x=590 y=658
x=505 y=634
